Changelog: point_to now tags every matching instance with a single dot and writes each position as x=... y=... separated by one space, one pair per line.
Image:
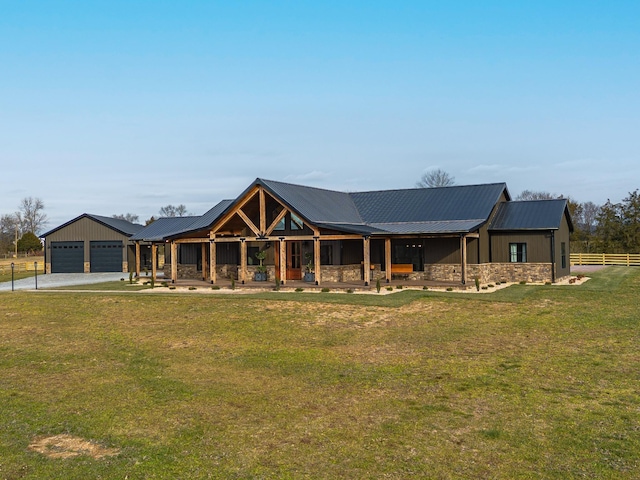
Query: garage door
x=67 y=257
x=106 y=256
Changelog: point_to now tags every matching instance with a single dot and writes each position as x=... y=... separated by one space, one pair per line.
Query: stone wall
x=341 y=273
x=510 y=272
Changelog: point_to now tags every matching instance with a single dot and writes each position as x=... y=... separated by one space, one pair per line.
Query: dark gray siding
x=562 y=236
x=442 y=250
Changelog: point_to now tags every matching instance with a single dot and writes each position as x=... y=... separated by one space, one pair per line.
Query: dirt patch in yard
x=68 y=446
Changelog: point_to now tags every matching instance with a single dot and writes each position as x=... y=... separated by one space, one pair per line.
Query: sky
x=113 y=107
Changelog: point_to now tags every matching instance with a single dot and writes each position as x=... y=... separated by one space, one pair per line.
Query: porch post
x=203 y=249
x=137 y=258
x=316 y=258
x=283 y=261
x=463 y=254
x=212 y=261
x=367 y=260
x=174 y=262
x=387 y=259
x=154 y=261
x=243 y=259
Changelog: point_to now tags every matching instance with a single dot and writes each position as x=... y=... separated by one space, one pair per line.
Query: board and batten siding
x=86 y=229
x=562 y=235
x=538 y=246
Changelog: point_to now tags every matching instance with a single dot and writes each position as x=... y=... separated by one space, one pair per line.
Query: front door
x=294 y=260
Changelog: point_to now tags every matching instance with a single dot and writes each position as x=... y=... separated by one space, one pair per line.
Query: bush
x=389 y=288
x=325 y=290
x=299 y=289
x=215 y=287
x=425 y=288
x=485 y=287
x=449 y=289
x=477 y=280
x=164 y=284
x=349 y=290
x=131 y=277
x=172 y=287
x=490 y=285
x=233 y=284
x=523 y=282
x=277 y=283
x=378 y=286
x=399 y=287
x=192 y=288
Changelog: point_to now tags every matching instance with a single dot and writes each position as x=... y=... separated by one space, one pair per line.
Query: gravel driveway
x=52 y=280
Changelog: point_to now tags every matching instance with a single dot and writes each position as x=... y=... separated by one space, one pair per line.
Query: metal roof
x=122 y=226
x=163 y=227
x=209 y=217
x=531 y=215
x=316 y=205
x=419 y=210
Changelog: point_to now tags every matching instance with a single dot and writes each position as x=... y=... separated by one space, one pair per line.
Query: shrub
x=389 y=288
x=477 y=280
x=523 y=282
x=399 y=287
x=215 y=287
x=485 y=287
x=425 y=288
x=324 y=290
x=131 y=276
x=233 y=283
x=164 y=284
x=490 y=285
x=172 y=287
x=192 y=288
x=152 y=282
x=349 y=290
x=277 y=283
x=299 y=289
x=449 y=289
x=547 y=283
x=378 y=286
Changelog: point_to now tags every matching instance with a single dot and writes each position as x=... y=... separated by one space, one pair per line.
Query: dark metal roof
x=122 y=226
x=465 y=202
x=419 y=210
x=164 y=227
x=531 y=215
x=210 y=216
x=315 y=204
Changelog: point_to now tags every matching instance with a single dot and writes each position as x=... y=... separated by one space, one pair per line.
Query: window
x=563 y=254
x=518 y=252
x=296 y=222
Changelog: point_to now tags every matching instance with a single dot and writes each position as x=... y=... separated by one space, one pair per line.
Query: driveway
x=52 y=280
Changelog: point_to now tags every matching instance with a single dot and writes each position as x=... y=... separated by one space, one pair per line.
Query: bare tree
x=129 y=217
x=30 y=215
x=590 y=213
x=532 y=195
x=174 y=211
x=8 y=226
x=435 y=178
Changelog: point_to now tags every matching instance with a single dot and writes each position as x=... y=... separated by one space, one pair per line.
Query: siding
x=86 y=229
x=538 y=246
x=562 y=235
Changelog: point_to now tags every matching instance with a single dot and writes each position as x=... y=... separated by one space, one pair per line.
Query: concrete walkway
x=53 y=280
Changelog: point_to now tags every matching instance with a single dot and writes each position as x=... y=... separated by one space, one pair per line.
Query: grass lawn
x=527 y=382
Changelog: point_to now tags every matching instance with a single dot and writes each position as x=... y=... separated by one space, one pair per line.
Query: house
x=90 y=243
x=451 y=234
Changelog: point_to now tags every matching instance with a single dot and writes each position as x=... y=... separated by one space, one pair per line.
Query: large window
x=517 y=252
x=563 y=254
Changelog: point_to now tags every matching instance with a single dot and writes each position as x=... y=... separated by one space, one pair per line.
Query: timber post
x=387 y=259
x=367 y=259
x=174 y=262
x=137 y=258
x=243 y=260
x=316 y=258
x=154 y=261
x=283 y=261
x=212 y=260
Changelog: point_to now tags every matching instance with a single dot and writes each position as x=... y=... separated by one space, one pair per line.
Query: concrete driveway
x=52 y=280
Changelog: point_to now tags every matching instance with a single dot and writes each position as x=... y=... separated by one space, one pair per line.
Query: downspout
x=553 y=256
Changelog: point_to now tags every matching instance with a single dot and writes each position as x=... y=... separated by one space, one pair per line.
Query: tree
x=532 y=195
x=609 y=228
x=129 y=217
x=30 y=215
x=29 y=243
x=8 y=225
x=150 y=221
x=435 y=178
x=173 y=211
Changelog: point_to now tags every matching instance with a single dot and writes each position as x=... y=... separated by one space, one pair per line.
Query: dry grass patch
x=68 y=446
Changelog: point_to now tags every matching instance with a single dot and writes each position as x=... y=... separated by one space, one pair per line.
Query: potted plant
x=261 y=270
x=309 y=275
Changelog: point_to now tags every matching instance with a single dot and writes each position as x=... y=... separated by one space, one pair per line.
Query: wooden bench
x=401 y=270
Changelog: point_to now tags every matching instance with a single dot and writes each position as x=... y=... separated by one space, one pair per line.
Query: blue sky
x=110 y=107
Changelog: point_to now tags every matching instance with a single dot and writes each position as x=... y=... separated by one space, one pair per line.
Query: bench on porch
x=401 y=270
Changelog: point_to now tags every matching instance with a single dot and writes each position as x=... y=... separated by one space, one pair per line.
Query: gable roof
x=531 y=215
x=209 y=217
x=122 y=226
x=454 y=209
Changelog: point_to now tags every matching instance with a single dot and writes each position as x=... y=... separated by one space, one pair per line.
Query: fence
x=21 y=267
x=628 y=259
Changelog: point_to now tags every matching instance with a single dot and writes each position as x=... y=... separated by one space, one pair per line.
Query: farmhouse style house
x=294 y=232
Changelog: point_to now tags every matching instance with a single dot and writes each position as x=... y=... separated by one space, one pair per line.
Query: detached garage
x=90 y=243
